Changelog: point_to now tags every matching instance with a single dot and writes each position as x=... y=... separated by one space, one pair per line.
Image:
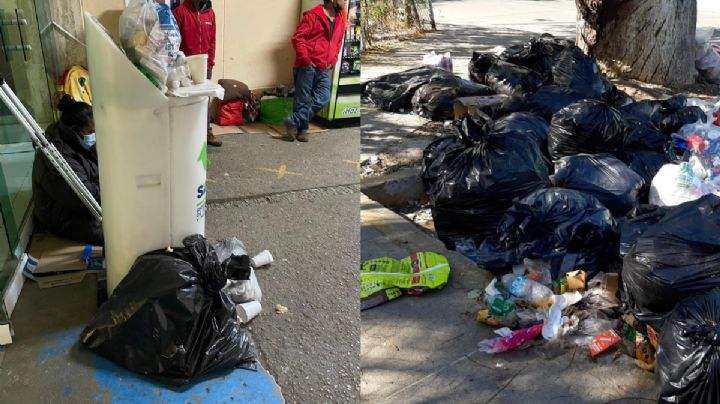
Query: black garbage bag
x=642 y=136
x=675 y=258
x=436 y=99
x=649 y=112
x=524 y=124
x=393 y=92
x=603 y=176
x=676 y=120
x=537 y=54
x=589 y=127
x=667 y=115
x=168 y=318
x=646 y=164
x=634 y=224
x=617 y=98
x=688 y=355
x=433 y=157
x=578 y=72
x=477 y=184
x=510 y=79
x=548 y=100
x=569 y=229
x=479 y=65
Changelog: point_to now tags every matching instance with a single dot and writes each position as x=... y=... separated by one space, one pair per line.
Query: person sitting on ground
x=317 y=42
x=57 y=208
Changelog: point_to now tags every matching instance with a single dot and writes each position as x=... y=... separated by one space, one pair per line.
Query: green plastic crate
x=274 y=110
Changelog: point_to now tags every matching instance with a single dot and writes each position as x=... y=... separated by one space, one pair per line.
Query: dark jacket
x=313 y=41
x=197 y=29
x=57 y=208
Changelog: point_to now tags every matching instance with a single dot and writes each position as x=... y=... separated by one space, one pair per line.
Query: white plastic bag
x=443 y=61
x=707 y=59
x=150 y=37
x=244 y=291
x=676 y=183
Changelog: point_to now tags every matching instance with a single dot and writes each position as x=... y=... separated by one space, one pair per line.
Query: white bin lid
x=207 y=89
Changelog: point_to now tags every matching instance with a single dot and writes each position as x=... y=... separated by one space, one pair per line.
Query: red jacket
x=312 y=40
x=197 y=29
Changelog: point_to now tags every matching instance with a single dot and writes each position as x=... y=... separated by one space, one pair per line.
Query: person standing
x=196 y=19
x=317 y=42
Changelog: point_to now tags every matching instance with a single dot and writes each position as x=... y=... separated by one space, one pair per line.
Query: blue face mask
x=89 y=140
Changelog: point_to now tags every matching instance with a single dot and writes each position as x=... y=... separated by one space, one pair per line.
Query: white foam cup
x=262 y=259
x=198 y=68
x=248 y=311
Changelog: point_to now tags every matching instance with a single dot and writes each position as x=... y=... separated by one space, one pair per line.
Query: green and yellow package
x=413 y=275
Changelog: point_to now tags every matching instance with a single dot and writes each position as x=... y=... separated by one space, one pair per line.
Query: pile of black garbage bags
x=560 y=171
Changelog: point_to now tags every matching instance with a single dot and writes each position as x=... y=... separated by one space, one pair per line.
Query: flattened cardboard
x=470 y=105
x=51 y=254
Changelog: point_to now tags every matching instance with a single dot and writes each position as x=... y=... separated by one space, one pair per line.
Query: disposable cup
x=198 y=68
x=248 y=311
x=262 y=259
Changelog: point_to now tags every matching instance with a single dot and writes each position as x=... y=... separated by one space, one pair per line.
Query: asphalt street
x=307 y=214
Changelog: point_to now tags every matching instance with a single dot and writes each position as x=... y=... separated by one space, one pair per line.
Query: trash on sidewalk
x=280 y=309
x=675 y=258
x=242 y=285
x=687 y=359
x=439 y=60
x=436 y=99
x=248 y=310
x=567 y=228
x=510 y=340
x=384 y=279
x=53 y=261
x=604 y=341
x=603 y=176
x=156 y=321
x=475 y=176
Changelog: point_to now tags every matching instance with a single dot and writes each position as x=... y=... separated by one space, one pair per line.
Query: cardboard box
x=53 y=261
x=472 y=105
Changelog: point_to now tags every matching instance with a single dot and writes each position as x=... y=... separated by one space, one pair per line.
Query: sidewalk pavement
x=306 y=214
x=420 y=349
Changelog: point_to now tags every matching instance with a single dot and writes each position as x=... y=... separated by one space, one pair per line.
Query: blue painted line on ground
x=238 y=386
x=119 y=385
x=58 y=343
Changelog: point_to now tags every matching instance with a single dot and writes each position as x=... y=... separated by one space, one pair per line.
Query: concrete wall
x=253 y=38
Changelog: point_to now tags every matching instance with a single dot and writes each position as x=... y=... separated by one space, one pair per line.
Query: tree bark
x=647 y=40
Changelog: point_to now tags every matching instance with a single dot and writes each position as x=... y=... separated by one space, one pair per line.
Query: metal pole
x=38 y=135
x=9 y=98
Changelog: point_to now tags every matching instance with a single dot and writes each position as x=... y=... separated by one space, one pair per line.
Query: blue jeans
x=312 y=93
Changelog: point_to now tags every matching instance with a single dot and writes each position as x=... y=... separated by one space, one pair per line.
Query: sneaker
x=213 y=140
x=290 y=131
x=302 y=136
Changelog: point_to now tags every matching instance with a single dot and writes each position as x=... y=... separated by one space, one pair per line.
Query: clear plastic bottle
x=537 y=294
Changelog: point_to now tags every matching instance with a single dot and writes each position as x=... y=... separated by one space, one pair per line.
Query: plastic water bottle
x=537 y=294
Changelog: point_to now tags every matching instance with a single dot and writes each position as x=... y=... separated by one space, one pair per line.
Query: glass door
x=23 y=66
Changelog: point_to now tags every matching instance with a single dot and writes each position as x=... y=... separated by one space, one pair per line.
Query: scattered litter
x=385 y=279
x=280 y=309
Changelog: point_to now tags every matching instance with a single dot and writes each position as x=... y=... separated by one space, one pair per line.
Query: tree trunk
x=647 y=40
